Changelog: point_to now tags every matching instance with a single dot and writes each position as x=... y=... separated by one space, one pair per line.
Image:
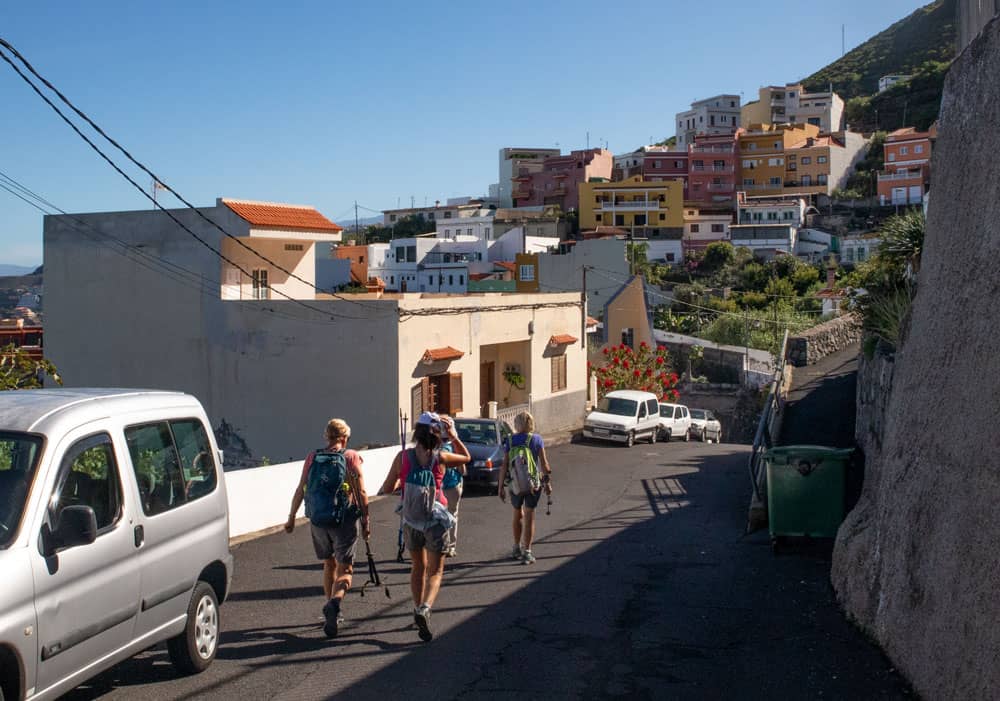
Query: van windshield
x=618 y=406
x=18 y=459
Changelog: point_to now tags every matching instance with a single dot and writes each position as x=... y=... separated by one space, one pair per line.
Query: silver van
x=114 y=534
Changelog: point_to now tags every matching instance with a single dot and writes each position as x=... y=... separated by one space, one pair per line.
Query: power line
x=156 y=178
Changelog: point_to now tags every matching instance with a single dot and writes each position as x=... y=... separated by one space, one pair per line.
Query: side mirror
x=77 y=525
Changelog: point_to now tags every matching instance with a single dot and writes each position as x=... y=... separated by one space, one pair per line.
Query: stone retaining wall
x=820 y=341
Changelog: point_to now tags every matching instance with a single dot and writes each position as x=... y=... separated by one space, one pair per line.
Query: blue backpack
x=327 y=492
x=419 y=492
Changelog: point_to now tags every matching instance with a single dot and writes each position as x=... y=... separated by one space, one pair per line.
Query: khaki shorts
x=432 y=539
x=337 y=542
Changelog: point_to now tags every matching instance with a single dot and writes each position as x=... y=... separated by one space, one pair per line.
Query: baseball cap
x=430 y=418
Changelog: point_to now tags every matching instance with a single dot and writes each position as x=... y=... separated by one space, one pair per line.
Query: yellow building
x=762 y=155
x=653 y=209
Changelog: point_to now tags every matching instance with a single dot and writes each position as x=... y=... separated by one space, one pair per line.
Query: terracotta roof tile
x=432 y=355
x=562 y=339
x=591 y=321
x=282 y=216
x=506 y=265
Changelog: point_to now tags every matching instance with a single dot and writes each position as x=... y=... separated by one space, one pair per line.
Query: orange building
x=358 y=255
x=27 y=338
x=907 y=175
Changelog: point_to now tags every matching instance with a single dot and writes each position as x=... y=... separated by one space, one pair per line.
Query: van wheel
x=193 y=650
x=630 y=439
x=665 y=435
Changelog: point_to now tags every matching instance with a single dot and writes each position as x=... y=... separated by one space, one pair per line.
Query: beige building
x=271 y=371
x=627 y=315
x=792 y=104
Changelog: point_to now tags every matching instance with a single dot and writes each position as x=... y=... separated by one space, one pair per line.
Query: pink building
x=666 y=165
x=713 y=169
x=558 y=181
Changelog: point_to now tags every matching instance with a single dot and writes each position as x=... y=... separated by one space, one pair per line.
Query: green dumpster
x=805 y=490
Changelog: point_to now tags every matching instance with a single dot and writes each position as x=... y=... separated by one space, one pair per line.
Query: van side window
x=642 y=410
x=173 y=463
x=89 y=476
x=652 y=405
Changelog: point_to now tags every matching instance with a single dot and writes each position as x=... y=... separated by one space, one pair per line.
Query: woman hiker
x=524 y=505
x=426 y=519
x=334 y=512
x=452 y=486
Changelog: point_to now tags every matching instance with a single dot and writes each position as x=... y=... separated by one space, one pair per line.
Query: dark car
x=485 y=439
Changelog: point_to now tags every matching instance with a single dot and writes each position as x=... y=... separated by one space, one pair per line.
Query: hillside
x=921 y=45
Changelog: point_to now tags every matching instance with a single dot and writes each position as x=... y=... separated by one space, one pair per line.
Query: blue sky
x=325 y=103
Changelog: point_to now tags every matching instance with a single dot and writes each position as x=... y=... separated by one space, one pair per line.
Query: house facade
x=907 y=175
x=762 y=155
x=702 y=227
x=821 y=164
x=558 y=181
x=515 y=160
x=713 y=169
x=714 y=115
x=271 y=370
x=647 y=209
x=792 y=104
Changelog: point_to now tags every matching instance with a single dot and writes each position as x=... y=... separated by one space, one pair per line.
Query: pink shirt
x=437 y=468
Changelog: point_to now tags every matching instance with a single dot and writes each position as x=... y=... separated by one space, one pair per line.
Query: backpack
x=419 y=492
x=326 y=497
x=524 y=476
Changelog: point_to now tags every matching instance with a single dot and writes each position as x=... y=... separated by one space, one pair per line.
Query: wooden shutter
x=420 y=398
x=454 y=393
x=558 y=373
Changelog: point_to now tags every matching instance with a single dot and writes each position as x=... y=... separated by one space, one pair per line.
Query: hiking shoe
x=331 y=612
x=516 y=553
x=527 y=558
x=422 y=617
x=450 y=552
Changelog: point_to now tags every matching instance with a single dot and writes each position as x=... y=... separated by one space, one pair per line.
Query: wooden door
x=486 y=386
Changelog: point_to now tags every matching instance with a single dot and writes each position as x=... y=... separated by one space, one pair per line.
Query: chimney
x=831 y=273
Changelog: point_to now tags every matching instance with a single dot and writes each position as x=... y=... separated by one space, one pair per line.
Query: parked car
x=675 y=421
x=114 y=534
x=623 y=416
x=485 y=439
x=704 y=426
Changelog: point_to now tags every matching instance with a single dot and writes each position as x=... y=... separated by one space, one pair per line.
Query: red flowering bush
x=646 y=369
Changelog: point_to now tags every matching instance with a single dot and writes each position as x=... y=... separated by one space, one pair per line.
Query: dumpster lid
x=783 y=454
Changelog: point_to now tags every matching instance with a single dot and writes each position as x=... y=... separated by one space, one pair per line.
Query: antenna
x=843 y=45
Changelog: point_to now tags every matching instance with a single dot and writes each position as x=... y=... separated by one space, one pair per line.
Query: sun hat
x=430 y=418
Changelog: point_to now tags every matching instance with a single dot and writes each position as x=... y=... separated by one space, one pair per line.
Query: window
x=732 y=103
x=903 y=150
x=678 y=164
x=806 y=181
x=89 y=477
x=656 y=164
x=599 y=216
x=461 y=279
x=486 y=233
x=639 y=220
x=695 y=228
x=772 y=216
x=260 y=288
x=776 y=161
x=392 y=279
x=821 y=179
x=919 y=148
x=821 y=159
x=447 y=232
x=775 y=181
x=747 y=163
x=748 y=181
x=361 y=259
x=752 y=146
x=451 y=280
x=718 y=228
x=806 y=160
x=892 y=156
x=430 y=215
x=401 y=253
x=663 y=216
x=468 y=231
x=718 y=165
x=173 y=463
x=670 y=257
x=294 y=247
x=559 y=372
x=447 y=215
x=628 y=337
x=392 y=217
x=787 y=215
x=411 y=254
x=526 y=273
x=441 y=393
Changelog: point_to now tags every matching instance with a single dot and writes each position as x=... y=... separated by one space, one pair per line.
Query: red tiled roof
x=432 y=355
x=479 y=276
x=506 y=265
x=562 y=339
x=591 y=321
x=283 y=216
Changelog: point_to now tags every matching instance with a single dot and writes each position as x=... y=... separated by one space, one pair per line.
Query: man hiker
x=426 y=519
x=335 y=512
x=525 y=474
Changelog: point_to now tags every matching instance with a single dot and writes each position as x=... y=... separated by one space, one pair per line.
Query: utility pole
x=357 y=229
x=746 y=345
x=583 y=310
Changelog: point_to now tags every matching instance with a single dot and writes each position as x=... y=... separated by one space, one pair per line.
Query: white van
x=623 y=416
x=675 y=421
x=114 y=534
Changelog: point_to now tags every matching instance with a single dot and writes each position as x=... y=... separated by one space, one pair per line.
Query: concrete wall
x=917 y=562
x=822 y=340
x=565 y=272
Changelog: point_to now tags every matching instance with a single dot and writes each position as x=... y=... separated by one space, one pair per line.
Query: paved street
x=645 y=587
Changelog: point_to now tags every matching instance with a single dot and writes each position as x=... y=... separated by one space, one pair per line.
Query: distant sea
x=11 y=270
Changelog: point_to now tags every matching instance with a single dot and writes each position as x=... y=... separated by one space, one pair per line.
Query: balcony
x=713 y=149
x=761 y=186
x=720 y=187
x=913 y=175
x=641 y=206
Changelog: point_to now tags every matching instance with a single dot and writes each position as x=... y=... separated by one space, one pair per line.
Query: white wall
x=259 y=497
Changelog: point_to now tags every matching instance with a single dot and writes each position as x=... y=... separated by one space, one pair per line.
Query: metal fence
x=764 y=436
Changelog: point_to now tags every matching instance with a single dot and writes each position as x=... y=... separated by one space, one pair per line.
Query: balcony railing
x=720 y=187
x=900 y=176
x=713 y=149
x=629 y=206
x=761 y=186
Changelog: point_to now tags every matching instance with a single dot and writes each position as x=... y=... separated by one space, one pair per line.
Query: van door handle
x=140 y=536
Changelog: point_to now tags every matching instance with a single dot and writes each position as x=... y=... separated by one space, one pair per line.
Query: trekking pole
x=373 y=577
x=400 y=545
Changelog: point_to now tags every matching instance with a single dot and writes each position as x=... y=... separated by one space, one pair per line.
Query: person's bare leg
x=342 y=581
x=434 y=571
x=418 y=557
x=529 y=527
x=329 y=574
x=517 y=526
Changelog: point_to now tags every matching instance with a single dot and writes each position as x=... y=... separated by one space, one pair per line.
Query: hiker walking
x=452 y=486
x=335 y=512
x=426 y=519
x=525 y=474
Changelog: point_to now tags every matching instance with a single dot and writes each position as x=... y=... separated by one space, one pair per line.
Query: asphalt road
x=645 y=587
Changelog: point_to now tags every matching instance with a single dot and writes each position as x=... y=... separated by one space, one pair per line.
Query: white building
x=715 y=115
x=887 y=81
x=770 y=210
x=792 y=104
x=702 y=227
x=512 y=161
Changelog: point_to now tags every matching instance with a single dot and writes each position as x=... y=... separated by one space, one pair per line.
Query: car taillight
x=489 y=464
